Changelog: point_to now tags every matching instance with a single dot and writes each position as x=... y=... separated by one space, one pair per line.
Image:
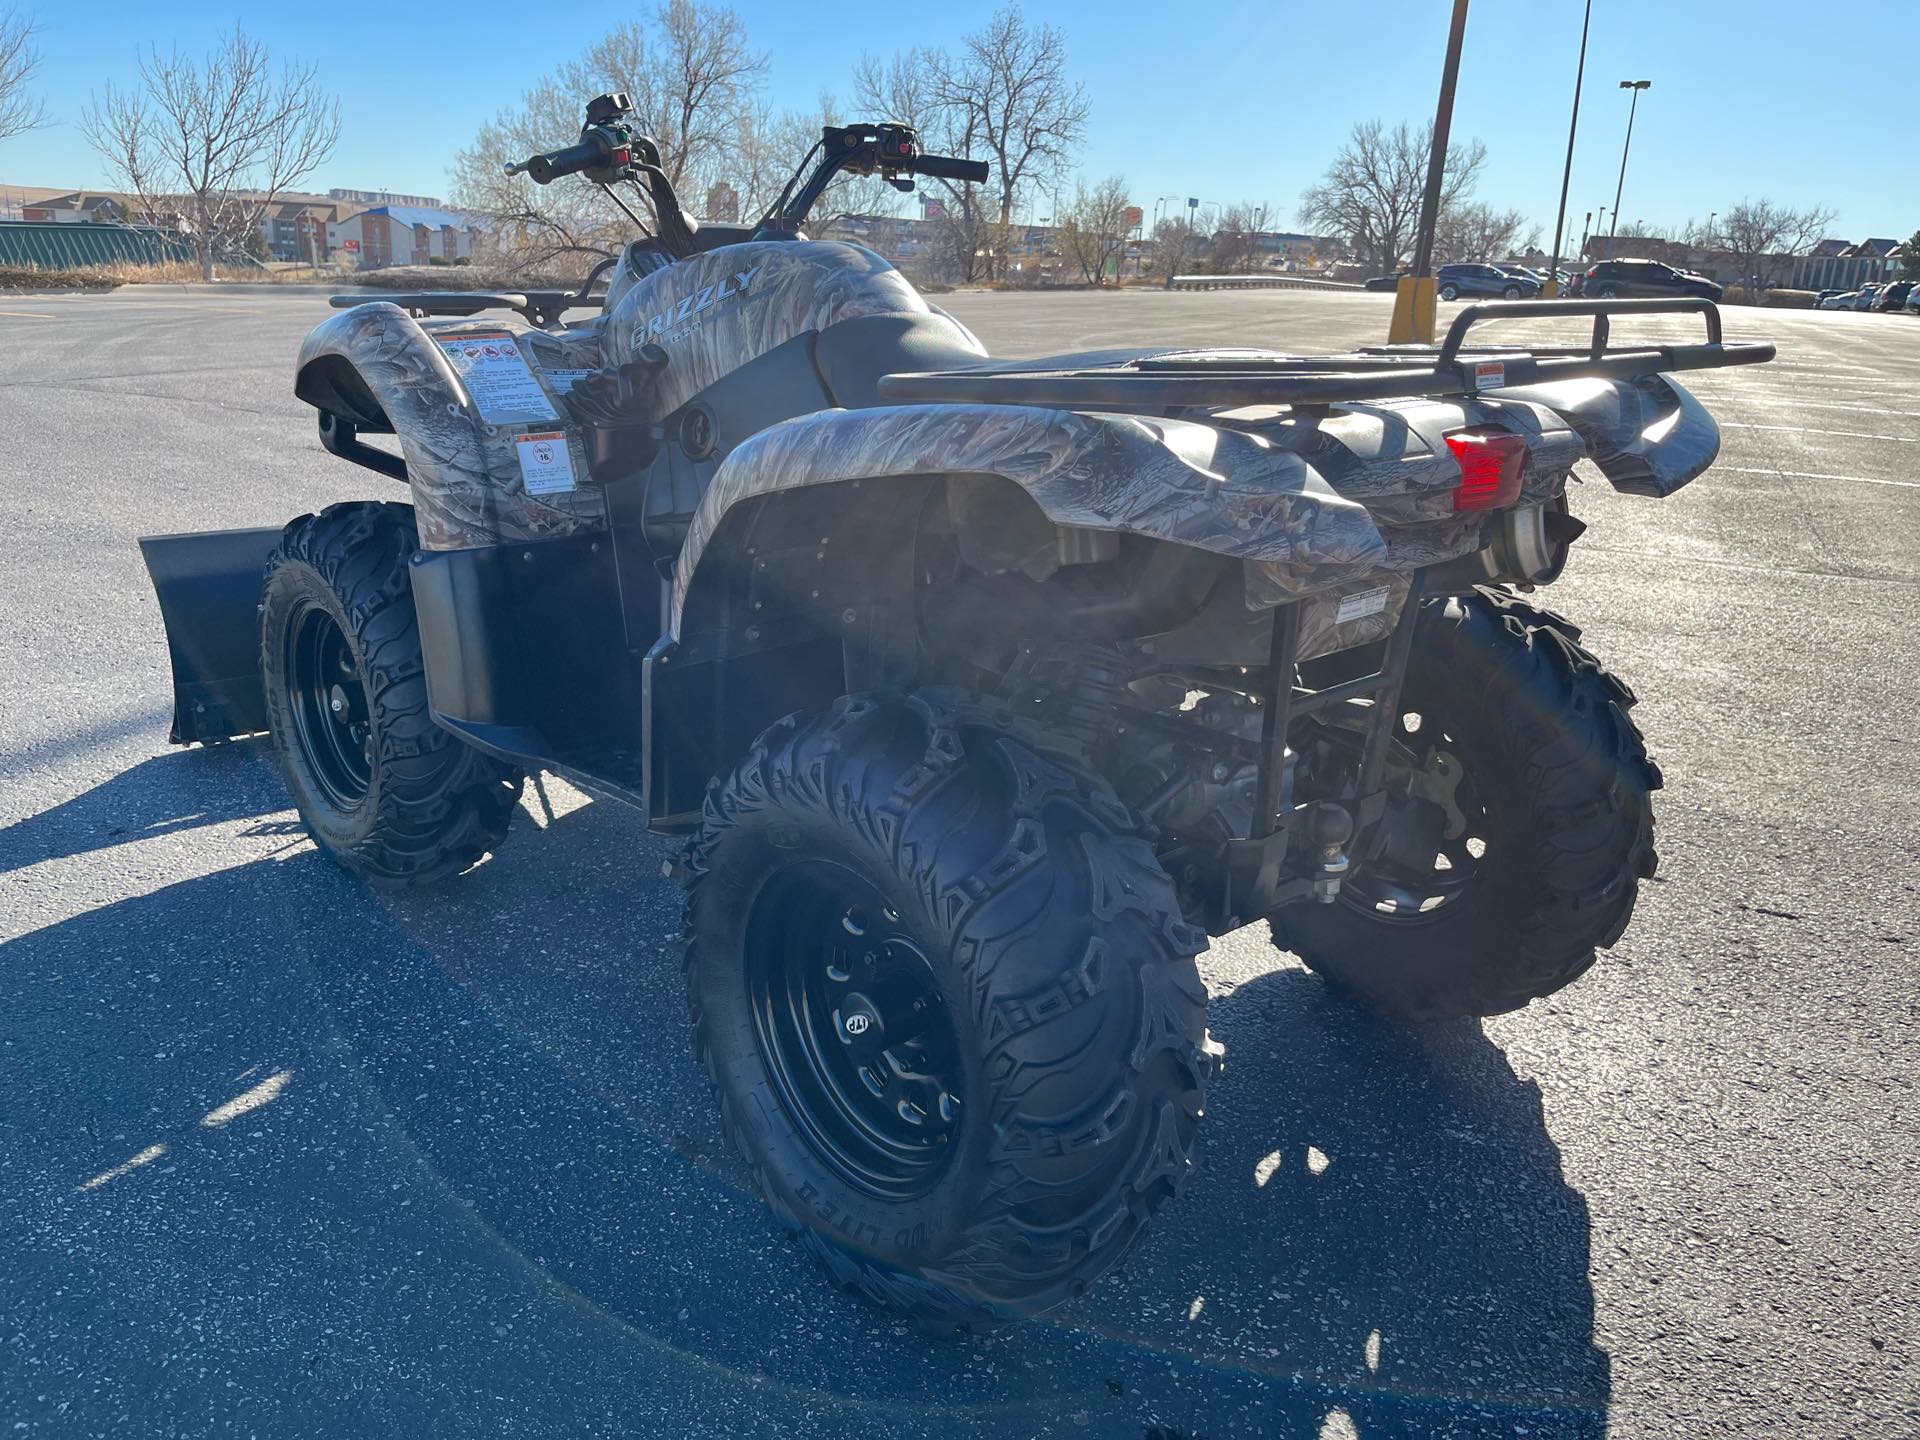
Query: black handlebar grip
x=545 y=169
x=945 y=167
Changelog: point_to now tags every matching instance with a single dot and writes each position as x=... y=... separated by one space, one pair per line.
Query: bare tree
x=1175 y=243
x=1756 y=232
x=1473 y=231
x=1699 y=235
x=1371 y=193
x=208 y=146
x=1006 y=93
x=1235 y=247
x=689 y=74
x=1094 y=232
x=20 y=110
x=1013 y=75
x=1910 y=258
x=695 y=85
x=535 y=225
x=905 y=89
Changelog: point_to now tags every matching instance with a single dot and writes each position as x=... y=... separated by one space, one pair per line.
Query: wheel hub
x=852 y=1027
x=327 y=703
x=861 y=1027
x=1436 y=824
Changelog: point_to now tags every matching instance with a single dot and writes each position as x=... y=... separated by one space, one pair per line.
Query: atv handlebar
x=945 y=167
x=547 y=168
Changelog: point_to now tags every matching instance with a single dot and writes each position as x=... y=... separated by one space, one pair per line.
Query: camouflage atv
x=981 y=691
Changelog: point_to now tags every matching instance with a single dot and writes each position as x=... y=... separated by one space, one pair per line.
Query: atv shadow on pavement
x=165 y=795
x=490 y=1192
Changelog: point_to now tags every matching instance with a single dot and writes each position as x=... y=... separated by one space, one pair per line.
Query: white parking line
x=1863 y=409
x=1809 y=430
x=1805 y=475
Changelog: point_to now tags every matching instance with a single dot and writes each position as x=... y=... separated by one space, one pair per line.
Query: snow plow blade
x=209 y=590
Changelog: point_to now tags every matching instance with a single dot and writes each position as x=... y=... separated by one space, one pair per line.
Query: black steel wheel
x=1436 y=831
x=947 y=1002
x=1518 y=829
x=380 y=786
x=854 y=1029
x=328 y=705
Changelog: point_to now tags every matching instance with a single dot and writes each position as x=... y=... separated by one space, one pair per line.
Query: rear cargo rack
x=1222 y=381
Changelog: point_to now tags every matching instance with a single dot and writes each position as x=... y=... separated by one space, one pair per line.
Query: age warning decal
x=545 y=466
x=495 y=373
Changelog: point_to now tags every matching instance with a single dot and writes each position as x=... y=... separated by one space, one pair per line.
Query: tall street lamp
x=1636 y=86
x=1566 y=175
x=1413 y=303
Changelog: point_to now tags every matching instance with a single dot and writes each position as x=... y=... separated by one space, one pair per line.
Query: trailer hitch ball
x=1329 y=827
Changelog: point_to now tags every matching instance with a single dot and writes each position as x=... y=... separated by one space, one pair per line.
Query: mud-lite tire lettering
x=1538 y=722
x=1068 y=974
x=433 y=805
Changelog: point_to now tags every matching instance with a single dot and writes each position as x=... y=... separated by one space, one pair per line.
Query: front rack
x=1225 y=380
x=540 y=307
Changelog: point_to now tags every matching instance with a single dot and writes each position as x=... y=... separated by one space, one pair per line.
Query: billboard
x=1135 y=217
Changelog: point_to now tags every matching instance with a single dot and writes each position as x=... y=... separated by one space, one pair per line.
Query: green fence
x=34 y=244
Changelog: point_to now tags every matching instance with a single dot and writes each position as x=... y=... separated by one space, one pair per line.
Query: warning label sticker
x=1489 y=374
x=563 y=381
x=1358 y=607
x=546 y=468
x=495 y=373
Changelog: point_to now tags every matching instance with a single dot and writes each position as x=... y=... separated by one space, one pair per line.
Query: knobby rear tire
x=1064 y=965
x=1545 y=730
x=432 y=805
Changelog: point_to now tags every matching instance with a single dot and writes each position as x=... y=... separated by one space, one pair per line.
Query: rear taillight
x=1492 y=465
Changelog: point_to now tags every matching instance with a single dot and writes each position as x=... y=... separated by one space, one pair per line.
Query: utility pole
x=1566 y=175
x=1414 y=301
x=1636 y=86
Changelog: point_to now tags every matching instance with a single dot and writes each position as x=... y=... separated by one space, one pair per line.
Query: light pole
x=1566 y=175
x=1413 y=301
x=1636 y=86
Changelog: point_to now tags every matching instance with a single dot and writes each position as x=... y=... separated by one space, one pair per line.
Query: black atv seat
x=855 y=355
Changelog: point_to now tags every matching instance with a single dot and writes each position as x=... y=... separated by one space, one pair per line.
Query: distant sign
x=932 y=208
x=1135 y=216
x=350 y=245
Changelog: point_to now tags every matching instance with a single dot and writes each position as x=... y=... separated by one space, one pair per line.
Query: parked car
x=1913 y=301
x=1458 y=280
x=1863 y=297
x=1892 y=297
x=1836 y=299
x=1633 y=279
x=1382 y=282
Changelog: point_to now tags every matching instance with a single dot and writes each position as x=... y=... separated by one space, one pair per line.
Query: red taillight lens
x=1492 y=465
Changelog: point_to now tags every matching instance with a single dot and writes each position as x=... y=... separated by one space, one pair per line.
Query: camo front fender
x=464 y=472
x=1215 y=489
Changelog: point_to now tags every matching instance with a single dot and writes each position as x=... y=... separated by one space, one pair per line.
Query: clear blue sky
x=1239 y=100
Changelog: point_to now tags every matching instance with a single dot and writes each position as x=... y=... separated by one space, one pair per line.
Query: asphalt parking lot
x=279 y=1156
